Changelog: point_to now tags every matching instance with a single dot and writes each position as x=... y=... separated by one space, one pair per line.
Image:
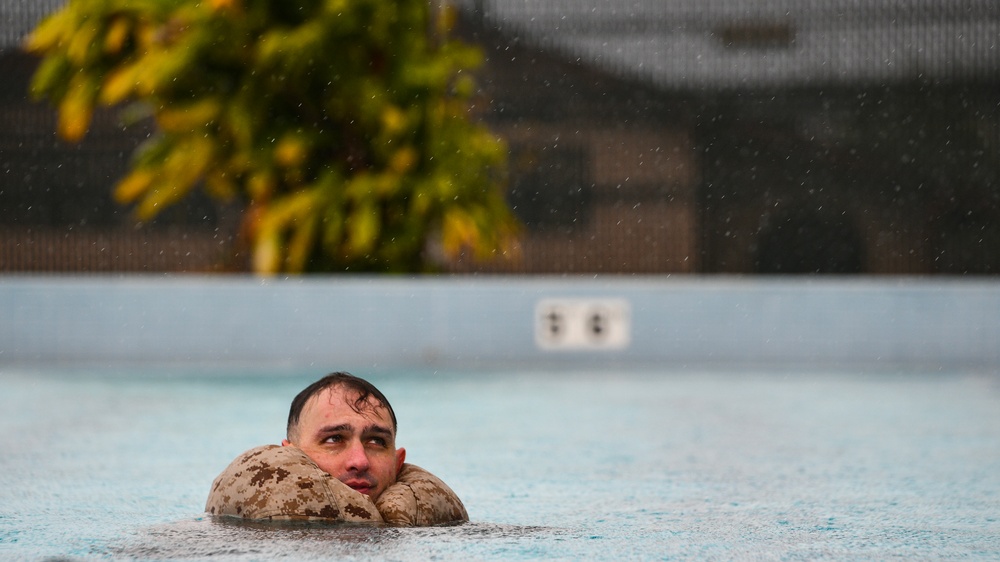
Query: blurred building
x=646 y=136
x=750 y=136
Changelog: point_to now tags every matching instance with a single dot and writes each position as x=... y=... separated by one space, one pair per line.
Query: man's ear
x=285 y=442
x=400 y=459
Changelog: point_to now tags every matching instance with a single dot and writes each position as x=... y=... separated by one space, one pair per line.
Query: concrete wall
x=365 y=322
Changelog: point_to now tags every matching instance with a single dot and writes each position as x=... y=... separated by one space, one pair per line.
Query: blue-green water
x=586 y=465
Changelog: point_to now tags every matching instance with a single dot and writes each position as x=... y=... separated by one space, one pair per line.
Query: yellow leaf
x=267 y=253
x=158 y=69
x=133 y=185
x=159 y=196
x=189 y=161
x=403 y=160
x=458 y=230
x=83 y=43
x=50 y=76
x=120 y=84
x=149 y=206
x=144 y=77
x=147 y=34
x=225 y=4
x=393 y=119
x=336 y=6
x=184 y=165
x=271 y=47
x=291 y=151
x=50 y=33
x=363 y=228
x=77 y=108
x=118 y=32
x=241 y=123
x=185 y=118
x=302 y=203
x=360 y=187
x=261 y=185
x=301 y=245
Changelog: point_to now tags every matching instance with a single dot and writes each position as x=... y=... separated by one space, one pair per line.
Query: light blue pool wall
x=363 y=322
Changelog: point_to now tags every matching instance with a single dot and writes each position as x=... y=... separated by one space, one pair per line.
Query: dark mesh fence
x=650 y=136
x=56 y=198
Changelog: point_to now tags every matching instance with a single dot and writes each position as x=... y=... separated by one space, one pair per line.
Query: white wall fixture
x=582 y=324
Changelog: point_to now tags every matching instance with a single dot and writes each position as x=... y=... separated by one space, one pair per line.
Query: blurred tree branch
x=342 y=124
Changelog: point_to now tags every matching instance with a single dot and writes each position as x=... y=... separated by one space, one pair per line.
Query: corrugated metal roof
x=19 y=17
x=686 y=44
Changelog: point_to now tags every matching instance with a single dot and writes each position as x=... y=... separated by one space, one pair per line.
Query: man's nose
x=357 y=457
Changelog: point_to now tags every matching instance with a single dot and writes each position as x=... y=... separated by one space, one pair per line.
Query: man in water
x=338 y=463
x=347 y=427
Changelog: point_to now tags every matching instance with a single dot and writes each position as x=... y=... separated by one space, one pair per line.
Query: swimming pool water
x=607 y=465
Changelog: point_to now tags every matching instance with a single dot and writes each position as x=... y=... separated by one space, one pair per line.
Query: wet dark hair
x=364 y=389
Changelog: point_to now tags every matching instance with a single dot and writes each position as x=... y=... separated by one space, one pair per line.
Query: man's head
x=347 y=427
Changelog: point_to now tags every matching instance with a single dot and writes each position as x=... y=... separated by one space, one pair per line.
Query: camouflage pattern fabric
x=419 y=499
x=282 y=483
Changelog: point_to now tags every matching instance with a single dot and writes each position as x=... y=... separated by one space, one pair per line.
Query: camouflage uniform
x=282 y=483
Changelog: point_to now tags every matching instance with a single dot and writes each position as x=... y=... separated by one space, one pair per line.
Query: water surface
x=587 y=465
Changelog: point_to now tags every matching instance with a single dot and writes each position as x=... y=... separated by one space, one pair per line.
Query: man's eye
x=334 y=439
x=379 y=441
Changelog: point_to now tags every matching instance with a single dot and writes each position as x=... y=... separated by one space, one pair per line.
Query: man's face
x=357 y=448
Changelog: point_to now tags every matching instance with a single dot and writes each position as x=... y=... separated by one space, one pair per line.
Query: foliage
x=342 y=124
